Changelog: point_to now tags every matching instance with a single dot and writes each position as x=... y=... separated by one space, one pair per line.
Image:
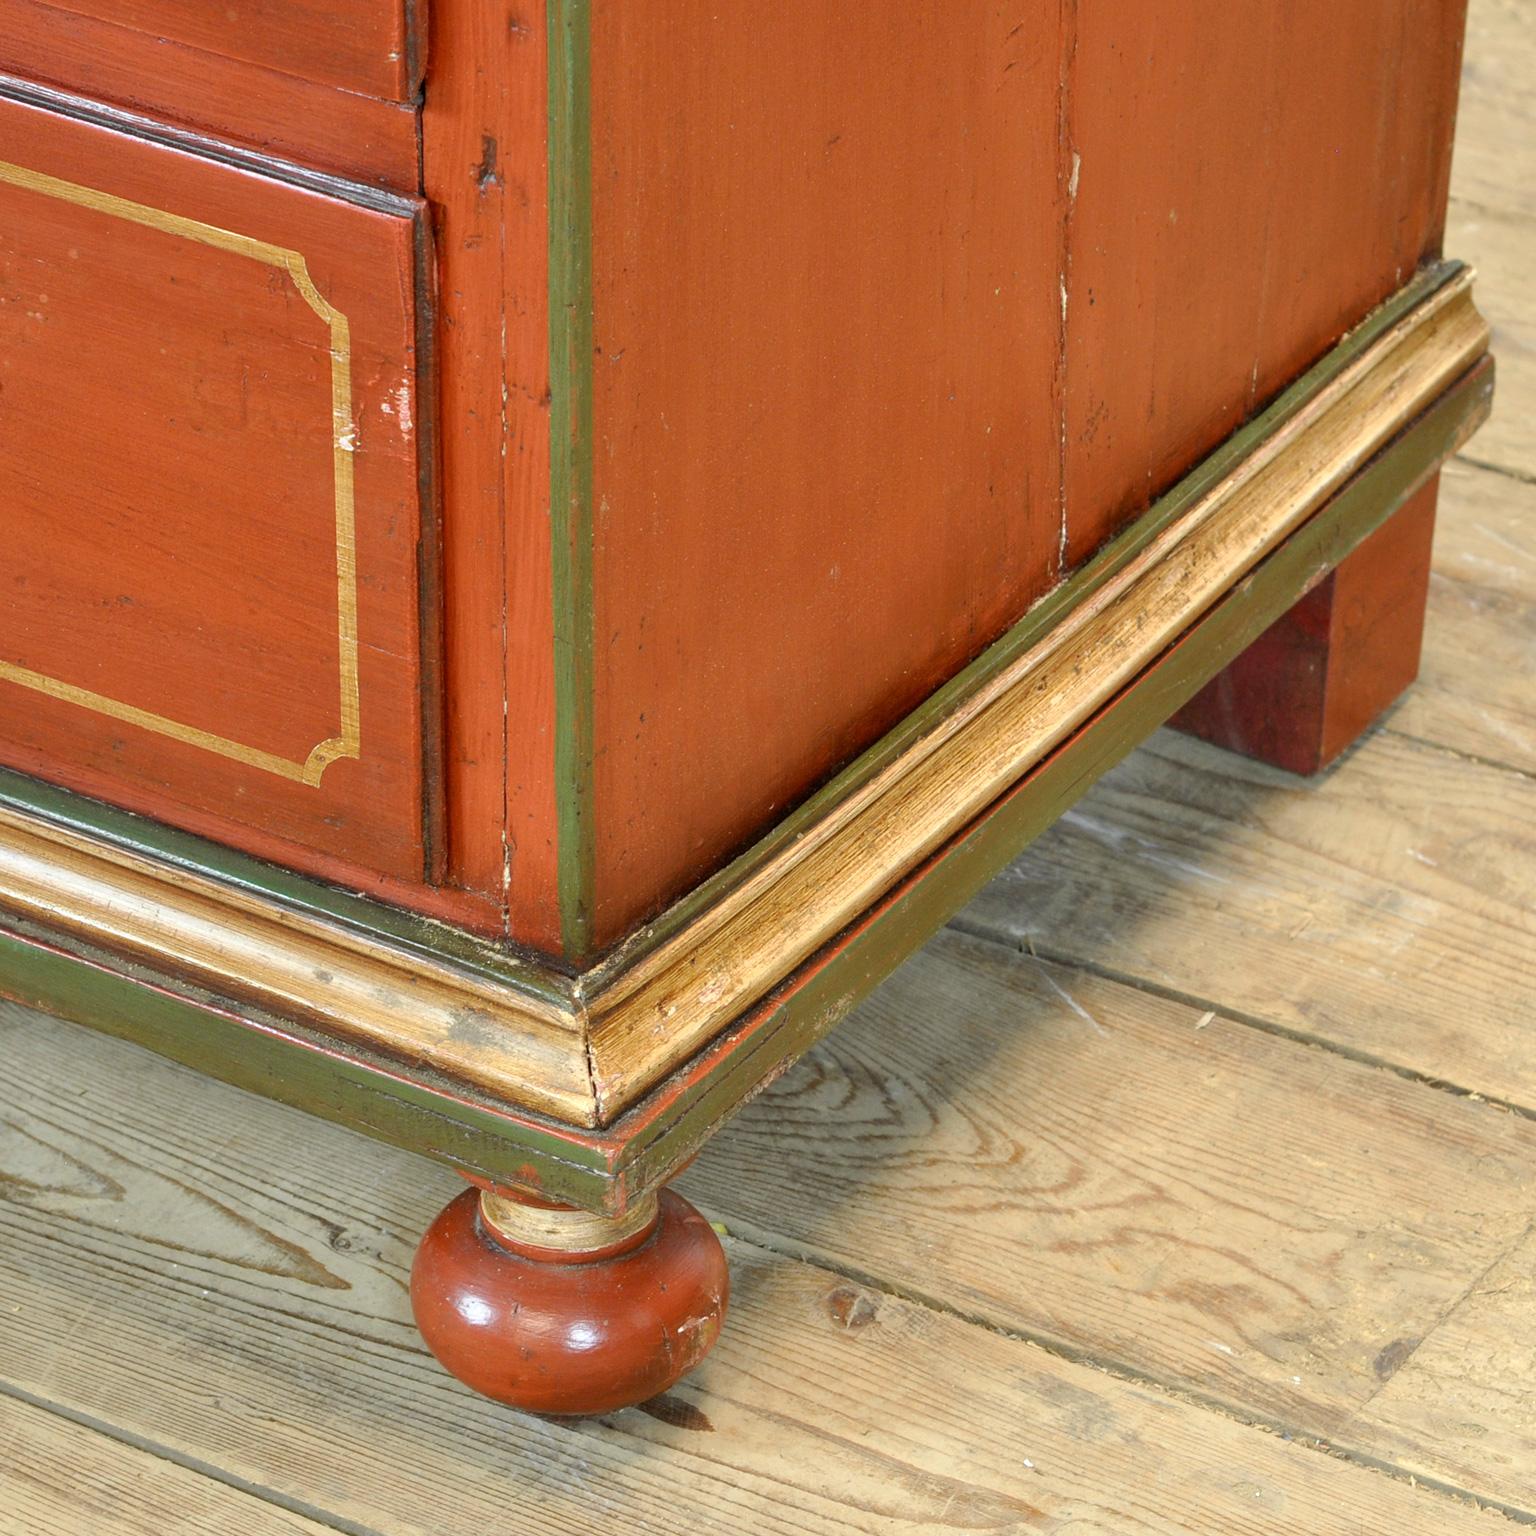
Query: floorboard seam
x=804 y=1253
x=1459 y=202
x=1460 y=754
x=209 y=1470
x=1470 y=1290
x=975 y=930
x=1524 y=476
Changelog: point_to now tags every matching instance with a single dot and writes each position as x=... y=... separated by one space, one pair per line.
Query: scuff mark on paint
x=487 y=173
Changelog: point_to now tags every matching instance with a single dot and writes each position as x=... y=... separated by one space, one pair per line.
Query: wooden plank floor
x=1186 y=1185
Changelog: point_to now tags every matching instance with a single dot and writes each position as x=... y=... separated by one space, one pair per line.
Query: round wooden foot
x=558 y=1312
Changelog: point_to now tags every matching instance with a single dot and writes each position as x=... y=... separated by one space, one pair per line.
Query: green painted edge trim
x=678 y=1116
x=396 y=926
x=570 y=453
x=269 y=1057
x=1029 y=630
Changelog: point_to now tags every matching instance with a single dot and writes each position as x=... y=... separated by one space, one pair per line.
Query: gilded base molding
x=593 y=1089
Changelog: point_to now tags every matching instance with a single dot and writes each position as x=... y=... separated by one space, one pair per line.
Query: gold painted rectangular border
x=347 y=744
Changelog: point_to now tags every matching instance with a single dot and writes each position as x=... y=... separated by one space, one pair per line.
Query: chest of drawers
x=545 y=549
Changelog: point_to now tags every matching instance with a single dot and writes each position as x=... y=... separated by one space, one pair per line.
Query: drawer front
x=361 y=138
x=210 y=571
x=367 y=46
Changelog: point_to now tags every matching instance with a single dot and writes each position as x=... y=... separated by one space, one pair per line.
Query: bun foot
x=556 y=1311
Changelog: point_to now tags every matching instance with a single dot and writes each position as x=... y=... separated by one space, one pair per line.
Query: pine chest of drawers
x=547 y=546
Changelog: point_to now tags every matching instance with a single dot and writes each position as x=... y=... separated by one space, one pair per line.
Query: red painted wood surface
x=485 y=172
x=1315 y=681
x=240 y=103
x=856 y=288
x=366 y=46
x=561 y=1335
x=825 y=255
x=177 y=564
x=892 y=324
x=1247 y=182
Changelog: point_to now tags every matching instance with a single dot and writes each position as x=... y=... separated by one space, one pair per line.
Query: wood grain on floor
x=66 y=1479
x=1389 y=909
x=1131 y=1179
x=161 y=1279
x=1475 y=692
x=1185 y=1186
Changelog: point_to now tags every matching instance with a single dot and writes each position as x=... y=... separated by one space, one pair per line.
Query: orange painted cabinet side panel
x=824 y=247
x=1249 y=181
